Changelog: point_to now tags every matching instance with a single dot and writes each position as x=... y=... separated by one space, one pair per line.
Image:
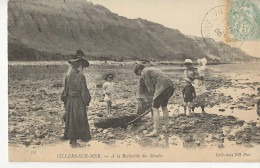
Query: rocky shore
x=35 y=110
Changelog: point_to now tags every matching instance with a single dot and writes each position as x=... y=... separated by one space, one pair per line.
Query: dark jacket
x=76 y=97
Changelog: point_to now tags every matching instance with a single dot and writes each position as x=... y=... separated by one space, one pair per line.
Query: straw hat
x=188 y=61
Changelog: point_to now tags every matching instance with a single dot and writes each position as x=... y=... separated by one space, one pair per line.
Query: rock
x=187 y=138
x=111 y=136
x=110 y=129
x=20 y=119
x=100 y=129
x=27 y=143
x=240 y=123
x=246 y=139
x=221 y=140
x=231 y=117
x=38 y=143
x=253 y=124
x=187 y=129
x=252 y=95
x=42 y=90
x=145 y=131
x=197 y=143
x=27 y=131
x=220 y=146
x=247 y=129
x=12 y=130
x=42 y=136
x=226 y=130
x=11 y=106
x=57 y=85
x=256 y=138
x=209 y=138
x=216 y=120
x=238 y=142
x=221 y=110
x=231 y=138
x=130 y=127
x=36 y=108
x=105 y=131
x=100 y=115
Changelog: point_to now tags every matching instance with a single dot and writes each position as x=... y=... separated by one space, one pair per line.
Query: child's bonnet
x=202 y=68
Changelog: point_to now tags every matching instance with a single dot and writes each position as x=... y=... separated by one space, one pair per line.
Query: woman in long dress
x=76 y=98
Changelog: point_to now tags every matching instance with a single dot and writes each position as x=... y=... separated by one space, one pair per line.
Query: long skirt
x=77 y=126
x=199 y=100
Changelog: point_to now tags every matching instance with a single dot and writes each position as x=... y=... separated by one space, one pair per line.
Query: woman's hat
x=78 y=59
x=203 y=61
x=188 y=61
x=108 y=74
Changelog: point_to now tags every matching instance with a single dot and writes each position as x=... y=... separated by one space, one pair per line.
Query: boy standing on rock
x=161 y=88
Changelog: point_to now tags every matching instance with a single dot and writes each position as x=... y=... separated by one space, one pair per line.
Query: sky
x=184 y=15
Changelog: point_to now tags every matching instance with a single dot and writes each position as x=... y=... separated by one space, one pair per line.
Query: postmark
x=243 y=20
x=214 y=28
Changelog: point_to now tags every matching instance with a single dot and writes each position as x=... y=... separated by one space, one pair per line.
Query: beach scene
x=231 y=107
x=49 y=40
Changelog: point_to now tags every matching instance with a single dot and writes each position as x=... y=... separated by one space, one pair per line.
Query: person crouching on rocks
x=161 y=89
x=188 y=95
x=76 y=98
x=108 y=90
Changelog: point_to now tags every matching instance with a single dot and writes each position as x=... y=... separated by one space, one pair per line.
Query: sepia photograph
x=133 y=80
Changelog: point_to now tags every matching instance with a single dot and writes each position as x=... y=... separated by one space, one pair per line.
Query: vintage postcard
x=134 y=80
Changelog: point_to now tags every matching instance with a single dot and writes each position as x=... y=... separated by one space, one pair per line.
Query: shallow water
x=245 y=81
x=244 y=72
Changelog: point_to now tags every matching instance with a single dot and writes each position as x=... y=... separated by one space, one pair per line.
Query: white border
x=4 y=125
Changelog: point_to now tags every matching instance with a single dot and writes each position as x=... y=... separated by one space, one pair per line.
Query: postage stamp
x=243 y=20
x=213 y=26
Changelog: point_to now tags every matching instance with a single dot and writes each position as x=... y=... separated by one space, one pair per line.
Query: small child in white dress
x=108 y=90
x=199 y=85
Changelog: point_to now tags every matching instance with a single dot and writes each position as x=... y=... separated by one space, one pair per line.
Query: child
x=108 y=90
x=202 y=67
x=200 y=86
x=188 y=95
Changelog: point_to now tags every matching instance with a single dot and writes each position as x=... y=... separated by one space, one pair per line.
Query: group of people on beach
x=153 y=83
